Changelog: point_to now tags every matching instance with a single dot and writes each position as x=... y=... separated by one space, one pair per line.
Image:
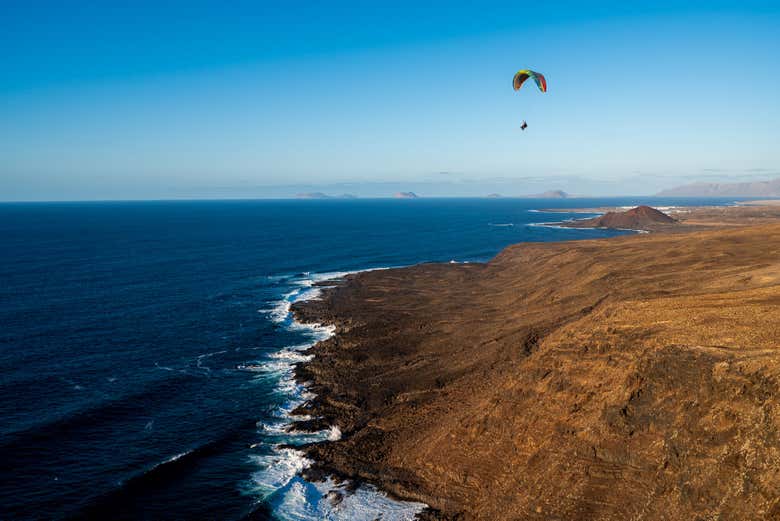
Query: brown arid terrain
x=631 y=378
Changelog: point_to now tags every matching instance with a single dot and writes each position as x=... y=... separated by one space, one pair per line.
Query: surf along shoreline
x=279 y=482
x=478 y=389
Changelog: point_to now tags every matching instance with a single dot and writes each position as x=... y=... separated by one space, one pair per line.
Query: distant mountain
x=405 y=195
x=549 y=194
x=493 y=196
x=748 y=189
x=639 y=218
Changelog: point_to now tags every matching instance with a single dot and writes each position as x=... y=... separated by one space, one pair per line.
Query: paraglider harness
x=523 y=125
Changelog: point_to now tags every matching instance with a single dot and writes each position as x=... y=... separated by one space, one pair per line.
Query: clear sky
x=232 y=99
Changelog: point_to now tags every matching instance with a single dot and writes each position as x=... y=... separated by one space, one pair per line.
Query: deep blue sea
x=146 y=351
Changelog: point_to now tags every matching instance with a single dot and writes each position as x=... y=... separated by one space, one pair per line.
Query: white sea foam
x=278 y=478
x=558 y=226
x=278 y=469
x=281 y=310
x=276 y=428
x=563 y=210
x=334 y=433
x=554 y=225
x=311 y=279
x=291 y=356
x=547 y=211
x=317 y=332
x=174 y=458
x=332 y=501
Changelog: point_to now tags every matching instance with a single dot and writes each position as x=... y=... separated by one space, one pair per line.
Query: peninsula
x=626 y=378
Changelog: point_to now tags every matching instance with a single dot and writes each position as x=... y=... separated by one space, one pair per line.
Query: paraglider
x=524 y=74
x=520 y=78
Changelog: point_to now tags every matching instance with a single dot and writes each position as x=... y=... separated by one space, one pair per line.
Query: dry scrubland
x=626 y=378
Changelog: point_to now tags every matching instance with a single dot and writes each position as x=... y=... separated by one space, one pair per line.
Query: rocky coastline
x=624 y=378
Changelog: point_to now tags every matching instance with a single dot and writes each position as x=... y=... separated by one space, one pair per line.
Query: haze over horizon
x=196 y=101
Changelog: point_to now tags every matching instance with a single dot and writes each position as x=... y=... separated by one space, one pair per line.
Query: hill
x=639 y=218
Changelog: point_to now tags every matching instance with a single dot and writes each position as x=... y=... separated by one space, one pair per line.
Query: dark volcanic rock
x=639 y=218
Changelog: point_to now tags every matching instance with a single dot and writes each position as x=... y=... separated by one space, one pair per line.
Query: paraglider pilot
x=520 y=78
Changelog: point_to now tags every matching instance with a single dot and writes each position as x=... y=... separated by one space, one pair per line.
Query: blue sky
x=196 y=99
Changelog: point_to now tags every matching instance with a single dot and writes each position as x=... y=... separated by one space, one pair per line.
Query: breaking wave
x=277 y=481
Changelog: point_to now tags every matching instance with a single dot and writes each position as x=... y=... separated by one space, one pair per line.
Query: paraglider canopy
x=524 y=74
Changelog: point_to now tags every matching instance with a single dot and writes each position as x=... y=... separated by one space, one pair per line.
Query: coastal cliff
x=627 y=378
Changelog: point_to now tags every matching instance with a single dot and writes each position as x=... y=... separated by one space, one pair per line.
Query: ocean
x=146 y=348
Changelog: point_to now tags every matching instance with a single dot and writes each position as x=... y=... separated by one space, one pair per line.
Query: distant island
x=549 y=194
x=406 y=195
x=320 y=195
x=493 y=196
x=748 y=189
